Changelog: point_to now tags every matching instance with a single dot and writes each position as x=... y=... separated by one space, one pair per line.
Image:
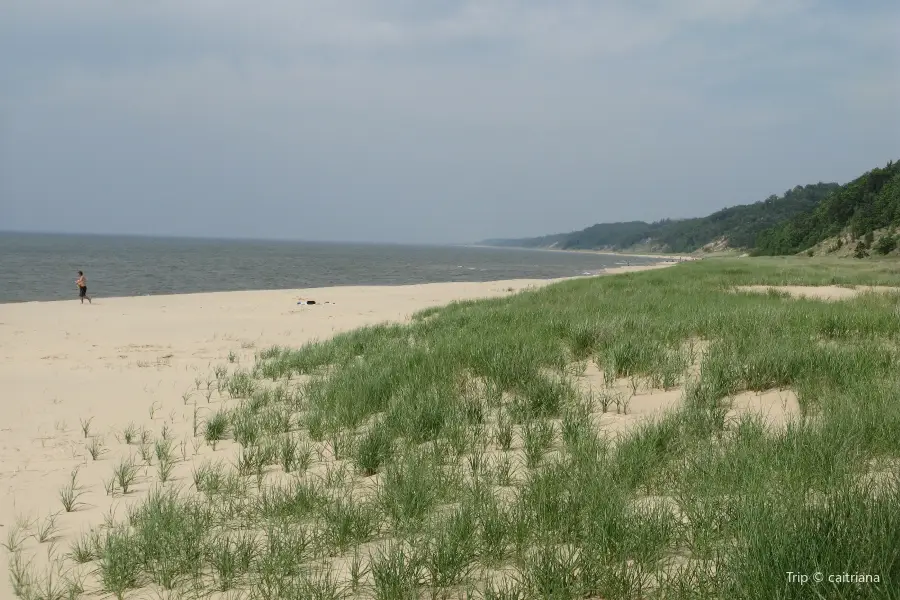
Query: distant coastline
x=664 y=257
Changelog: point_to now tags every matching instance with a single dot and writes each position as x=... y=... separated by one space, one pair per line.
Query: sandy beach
x=143 y=362
x=626 y=255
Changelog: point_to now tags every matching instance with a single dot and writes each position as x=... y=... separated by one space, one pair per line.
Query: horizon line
x=201 y=237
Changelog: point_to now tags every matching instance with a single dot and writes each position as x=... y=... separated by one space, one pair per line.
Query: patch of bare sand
x=880 y=475
x=634 y=268
x=820 y=292
x=775 y=407
x=623 y=403
x=628 y=401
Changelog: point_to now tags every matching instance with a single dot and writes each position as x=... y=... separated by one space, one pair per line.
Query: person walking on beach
x=81 y=282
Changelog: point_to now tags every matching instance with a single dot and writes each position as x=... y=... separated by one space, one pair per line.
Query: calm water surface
x=44 y=266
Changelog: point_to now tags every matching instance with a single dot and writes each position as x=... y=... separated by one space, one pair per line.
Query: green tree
x=885 y=245
x=864 y=205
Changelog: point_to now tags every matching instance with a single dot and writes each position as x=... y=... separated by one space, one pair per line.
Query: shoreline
x=612 y=270
x=283 y=291
x=662 y=257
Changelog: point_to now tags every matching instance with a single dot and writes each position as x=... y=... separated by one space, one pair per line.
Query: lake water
x=44 y=266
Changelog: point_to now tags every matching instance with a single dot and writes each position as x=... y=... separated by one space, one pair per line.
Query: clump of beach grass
x=95 y=448
x=130 y=434
x=45 y=530
x=86 y=426
x=15 y=537
x=124 y=476
x=21 y=578
x=71 y=492
x=216 y=428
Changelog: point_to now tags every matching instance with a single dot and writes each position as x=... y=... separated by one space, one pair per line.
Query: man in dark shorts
x=82 y=287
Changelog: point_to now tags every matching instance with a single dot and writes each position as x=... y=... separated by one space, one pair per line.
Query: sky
x=431 y=121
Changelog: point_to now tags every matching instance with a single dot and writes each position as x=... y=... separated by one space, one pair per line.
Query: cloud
x=442 y=120
x=560 y=28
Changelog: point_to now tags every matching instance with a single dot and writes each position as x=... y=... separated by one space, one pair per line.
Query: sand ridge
x=145 y=364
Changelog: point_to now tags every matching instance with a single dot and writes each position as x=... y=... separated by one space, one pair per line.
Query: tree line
x=799 y=219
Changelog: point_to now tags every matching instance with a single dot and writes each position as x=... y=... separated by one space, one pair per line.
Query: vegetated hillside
x=855 y=214
x=544 y=241
x=737 y=226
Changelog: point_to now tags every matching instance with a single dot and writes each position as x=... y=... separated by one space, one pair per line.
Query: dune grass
x=459 y=456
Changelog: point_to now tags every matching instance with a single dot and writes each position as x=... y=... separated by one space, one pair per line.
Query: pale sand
x=674 y=257
x=112 y=361
x=821 y=292
x=63 y=362
x=667 y=257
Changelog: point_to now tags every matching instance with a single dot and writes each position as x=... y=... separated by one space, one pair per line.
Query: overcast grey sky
x=431 y=120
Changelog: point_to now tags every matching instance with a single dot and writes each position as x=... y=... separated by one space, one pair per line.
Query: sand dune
x=146 y=361
x=124 y=361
